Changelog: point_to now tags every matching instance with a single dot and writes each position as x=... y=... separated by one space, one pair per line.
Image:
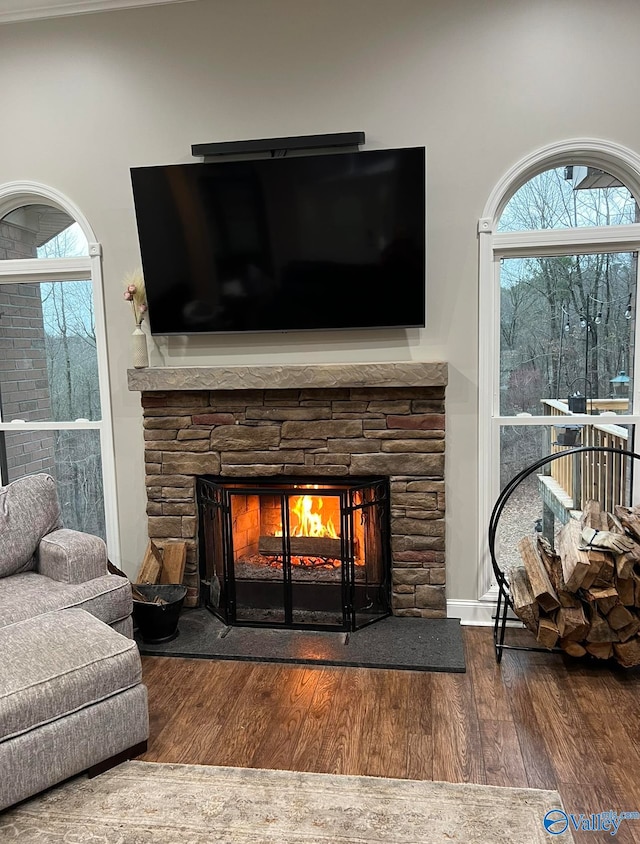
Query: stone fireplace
x=325 y=422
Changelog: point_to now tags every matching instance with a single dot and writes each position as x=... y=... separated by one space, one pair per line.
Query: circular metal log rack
x=505 y=603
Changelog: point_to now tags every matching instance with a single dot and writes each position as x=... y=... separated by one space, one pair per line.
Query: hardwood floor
x=538 y=720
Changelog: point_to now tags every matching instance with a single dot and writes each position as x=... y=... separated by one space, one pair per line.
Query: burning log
x=585 y=598
x=301 y=546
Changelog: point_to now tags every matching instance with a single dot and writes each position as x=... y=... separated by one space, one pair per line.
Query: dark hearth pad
x=414 y=644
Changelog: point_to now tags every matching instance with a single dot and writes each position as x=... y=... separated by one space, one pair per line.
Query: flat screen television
x=284 y=244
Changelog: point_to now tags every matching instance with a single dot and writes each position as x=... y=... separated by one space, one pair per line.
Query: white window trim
x=14 y=195
x=621 y=162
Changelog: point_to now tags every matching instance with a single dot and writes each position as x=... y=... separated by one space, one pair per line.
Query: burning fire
x=310 y=521
x=307 y=520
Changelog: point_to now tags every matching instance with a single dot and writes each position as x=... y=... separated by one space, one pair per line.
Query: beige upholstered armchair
x=46 y=567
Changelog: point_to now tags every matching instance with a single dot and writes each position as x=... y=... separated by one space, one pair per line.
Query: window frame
x=493 y=247
x=14 y=195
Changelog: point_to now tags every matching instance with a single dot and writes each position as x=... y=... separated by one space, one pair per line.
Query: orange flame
x=310 y=523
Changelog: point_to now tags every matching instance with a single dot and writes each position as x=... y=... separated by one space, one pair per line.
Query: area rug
x=145 y=802
x=414 y=644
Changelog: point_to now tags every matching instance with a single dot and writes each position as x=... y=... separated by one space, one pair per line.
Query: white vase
x=139 y=349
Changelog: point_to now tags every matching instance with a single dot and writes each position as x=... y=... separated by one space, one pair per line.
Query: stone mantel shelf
x=289 y=376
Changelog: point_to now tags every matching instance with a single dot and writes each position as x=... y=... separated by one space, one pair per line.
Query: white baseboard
x=477 y=613
x=472 y=612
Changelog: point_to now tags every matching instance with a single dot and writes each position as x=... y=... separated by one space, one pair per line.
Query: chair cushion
x=30 y=594
x=59 y=663
x=29 y=510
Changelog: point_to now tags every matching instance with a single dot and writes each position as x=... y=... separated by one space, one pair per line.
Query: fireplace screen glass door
x=295 y=553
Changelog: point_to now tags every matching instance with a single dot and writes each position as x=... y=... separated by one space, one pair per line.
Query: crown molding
x=12 y=11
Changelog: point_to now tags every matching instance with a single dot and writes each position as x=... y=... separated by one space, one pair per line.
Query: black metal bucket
x=158 y=622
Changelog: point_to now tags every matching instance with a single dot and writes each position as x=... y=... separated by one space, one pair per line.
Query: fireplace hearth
x=324 y=423
x=295 y=552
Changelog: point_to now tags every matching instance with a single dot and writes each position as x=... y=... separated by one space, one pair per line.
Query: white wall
x=479 y=84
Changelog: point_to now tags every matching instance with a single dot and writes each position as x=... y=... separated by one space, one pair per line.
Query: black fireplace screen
x=295 y=553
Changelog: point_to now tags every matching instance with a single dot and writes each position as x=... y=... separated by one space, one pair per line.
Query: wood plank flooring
x=537 y=720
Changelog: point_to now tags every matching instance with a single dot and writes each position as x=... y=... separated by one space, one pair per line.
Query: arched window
x=54 y=402
x=558 y=293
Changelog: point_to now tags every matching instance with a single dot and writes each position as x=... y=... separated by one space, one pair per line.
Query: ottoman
x=71 y=699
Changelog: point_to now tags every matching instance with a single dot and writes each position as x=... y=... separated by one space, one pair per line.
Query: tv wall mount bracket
x=279 y=146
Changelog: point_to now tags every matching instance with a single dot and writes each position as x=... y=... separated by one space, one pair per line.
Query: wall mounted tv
x=284 y=244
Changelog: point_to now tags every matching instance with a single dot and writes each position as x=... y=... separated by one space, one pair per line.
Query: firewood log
x=174 y=558
x=612 y=524
x=625 y=563
x=572 y=623
x=599 y=629
x=539 y=581
x=606 y=574
x=137 y=595
x=547 y=633
x=594 y=517
x=626 y=591
x=553 y=566
x=629 y=520
x=619 y=617
x=601 y=650
x=636 y=579
x=572 y=648
x=149 y=571
x=575 y=563
x=628 y=653
x=592 y=514
x=599 y=562
x=524 y=604
x=301 y=546
x=625 y=633
x=606 y=599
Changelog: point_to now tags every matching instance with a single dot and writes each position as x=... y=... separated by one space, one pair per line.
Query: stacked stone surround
x=325 y=431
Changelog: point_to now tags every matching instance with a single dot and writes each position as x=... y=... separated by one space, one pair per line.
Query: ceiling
x=24 y=10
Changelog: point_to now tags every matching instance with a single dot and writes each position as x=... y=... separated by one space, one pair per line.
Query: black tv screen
x=284 y=244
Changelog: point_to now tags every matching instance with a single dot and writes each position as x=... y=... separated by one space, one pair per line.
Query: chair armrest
x=71 y=556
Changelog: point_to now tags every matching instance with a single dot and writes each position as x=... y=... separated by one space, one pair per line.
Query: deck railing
x=598 y=475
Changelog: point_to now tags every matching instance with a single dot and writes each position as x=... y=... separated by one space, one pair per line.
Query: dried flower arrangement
x=136 y=294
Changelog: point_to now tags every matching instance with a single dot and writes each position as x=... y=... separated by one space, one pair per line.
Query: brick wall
x=24 y=381
x=397 y=432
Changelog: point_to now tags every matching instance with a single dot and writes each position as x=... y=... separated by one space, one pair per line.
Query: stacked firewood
x=584 y=595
